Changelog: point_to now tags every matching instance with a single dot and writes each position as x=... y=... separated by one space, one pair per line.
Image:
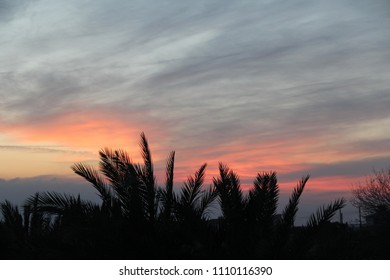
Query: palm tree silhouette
x=254 y=215
x=128 y=190
x=22 y=228
x=131 y=201
x=138 y=219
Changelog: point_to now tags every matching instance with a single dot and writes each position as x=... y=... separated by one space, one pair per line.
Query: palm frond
x=263 y=199
x=92 y=176
x=119 y=170
x=222 y=184
x=57 y=203
x=228 y=189
x=35 y=221
x=325 y=214
x=148 y=178
x=291 y=209
x=166 y=195
x=109 y=166
x=121 y=156
x=192 y=188
x=169 y=171
x=11 y=214
x=206 y=201
x=146 y=155
x=235 y=191
x=27 y=213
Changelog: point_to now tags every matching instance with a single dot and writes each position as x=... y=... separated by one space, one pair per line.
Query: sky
x=299 y=87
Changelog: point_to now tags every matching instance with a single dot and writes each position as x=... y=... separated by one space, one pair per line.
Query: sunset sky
x=293 y=86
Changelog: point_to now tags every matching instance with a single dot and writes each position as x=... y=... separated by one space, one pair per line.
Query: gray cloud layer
x=19 y=189
x=212 y=71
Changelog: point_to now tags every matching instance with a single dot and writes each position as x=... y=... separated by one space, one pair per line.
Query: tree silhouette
x=373 y=195
x=254 y=215
x=128 y=189
x=138 y=219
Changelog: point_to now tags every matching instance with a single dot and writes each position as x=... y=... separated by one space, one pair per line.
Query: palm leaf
x=110 y=166
x=192 y=188
x=169 y=172
x=228 y=189
x=291 y=209
x=148 y=178
x=35 y=221
x=186 y=205
x=221 y=185
x=114 y=165
x=57 y=203
x=166 y=195
x=207 y=199
x=92 y=176
x=325 y=214
x=11 y=214
x=263 y=199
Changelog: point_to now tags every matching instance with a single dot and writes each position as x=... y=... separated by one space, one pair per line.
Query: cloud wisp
x=298 y=87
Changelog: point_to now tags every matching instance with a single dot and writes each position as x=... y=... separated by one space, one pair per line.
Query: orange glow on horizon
x=82 y=135
x=66 y=139
x=87 y=131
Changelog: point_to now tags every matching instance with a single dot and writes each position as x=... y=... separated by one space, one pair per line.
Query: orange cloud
x=89 y=129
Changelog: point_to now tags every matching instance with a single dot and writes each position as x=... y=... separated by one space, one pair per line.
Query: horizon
x=298 y=88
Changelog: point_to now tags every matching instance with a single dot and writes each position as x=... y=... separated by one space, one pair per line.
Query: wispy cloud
x=350 y=169
x=258 y=84
x=41 y=149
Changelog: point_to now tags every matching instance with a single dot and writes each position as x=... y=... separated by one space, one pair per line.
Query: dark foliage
x=373 y=195
x=137 y=219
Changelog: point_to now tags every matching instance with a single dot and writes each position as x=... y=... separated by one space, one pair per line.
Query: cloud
x=259 y=85
x=40 y=149
x=17 y=190
x=87 y=129
x=351 y=168
x=9 y=9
